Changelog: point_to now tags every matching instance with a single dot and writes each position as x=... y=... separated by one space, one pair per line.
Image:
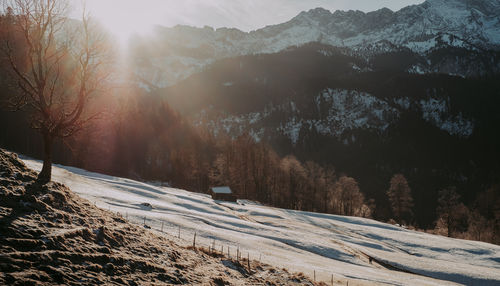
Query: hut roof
x=221 y=190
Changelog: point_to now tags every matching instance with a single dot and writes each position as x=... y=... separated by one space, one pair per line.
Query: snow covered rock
x=468 y=24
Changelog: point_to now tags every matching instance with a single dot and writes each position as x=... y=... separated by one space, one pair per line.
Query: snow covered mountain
x=412 y=91
x=315 y=88
x=320 y=104
x=471 y=25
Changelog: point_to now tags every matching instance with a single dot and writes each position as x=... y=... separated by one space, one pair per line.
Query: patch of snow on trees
x=436 y=111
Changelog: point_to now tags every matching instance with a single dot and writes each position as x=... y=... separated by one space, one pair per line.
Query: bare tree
x=350 y=199
x=451 y=212
x=316 y=177
x=478 y=226
x=400 y=197
x=294 y=179
x=329 y=189
x=55 y=72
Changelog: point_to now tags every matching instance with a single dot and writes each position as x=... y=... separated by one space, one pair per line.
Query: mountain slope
x=368 y=120
x=360 y=250
x=49 y=235
x=458 y=25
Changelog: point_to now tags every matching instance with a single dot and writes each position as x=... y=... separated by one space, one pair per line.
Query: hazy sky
x=131 y=16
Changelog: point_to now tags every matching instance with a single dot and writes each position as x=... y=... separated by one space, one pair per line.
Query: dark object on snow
x=222 y=194
x=148 y=205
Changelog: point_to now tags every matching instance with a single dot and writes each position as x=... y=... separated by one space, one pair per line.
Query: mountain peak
x=435 y=24
x=319 y=11
x=486 y=7
x=316 y=13
x=384 y=10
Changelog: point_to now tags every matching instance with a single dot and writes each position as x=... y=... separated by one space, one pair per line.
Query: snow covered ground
x=300 y=241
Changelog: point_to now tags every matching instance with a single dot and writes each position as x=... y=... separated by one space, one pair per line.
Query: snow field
x=299 y=241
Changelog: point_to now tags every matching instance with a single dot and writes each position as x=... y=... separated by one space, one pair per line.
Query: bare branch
x=60 y=72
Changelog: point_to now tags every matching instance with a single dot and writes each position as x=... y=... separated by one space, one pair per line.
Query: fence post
x=194 y=240
x=248 y=260
x=161 y=226
x=144 y=220
x=332 y=279
x=179 y=234
x=314 y=275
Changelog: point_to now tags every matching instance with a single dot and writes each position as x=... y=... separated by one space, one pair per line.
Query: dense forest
x=142 y=135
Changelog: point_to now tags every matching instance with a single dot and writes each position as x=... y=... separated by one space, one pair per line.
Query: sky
x=124 y=17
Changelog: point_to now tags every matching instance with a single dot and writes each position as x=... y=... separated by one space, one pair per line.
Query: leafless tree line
x=255 y=171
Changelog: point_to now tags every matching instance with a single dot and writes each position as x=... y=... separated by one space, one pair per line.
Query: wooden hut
x=222 y=194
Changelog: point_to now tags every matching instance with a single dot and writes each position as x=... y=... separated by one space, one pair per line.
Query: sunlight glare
x=125 y=18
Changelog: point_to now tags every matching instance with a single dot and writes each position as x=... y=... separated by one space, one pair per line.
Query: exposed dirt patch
x=49 y=235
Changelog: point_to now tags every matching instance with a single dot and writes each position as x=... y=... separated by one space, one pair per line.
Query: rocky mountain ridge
x=315 y=87
x=421 y=30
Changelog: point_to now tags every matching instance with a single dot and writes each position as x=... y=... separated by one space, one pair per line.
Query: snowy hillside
x=301 y=241
x=468 y=24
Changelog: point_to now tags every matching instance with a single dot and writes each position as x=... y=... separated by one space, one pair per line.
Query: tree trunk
x=46 y=174
x=448 y=226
